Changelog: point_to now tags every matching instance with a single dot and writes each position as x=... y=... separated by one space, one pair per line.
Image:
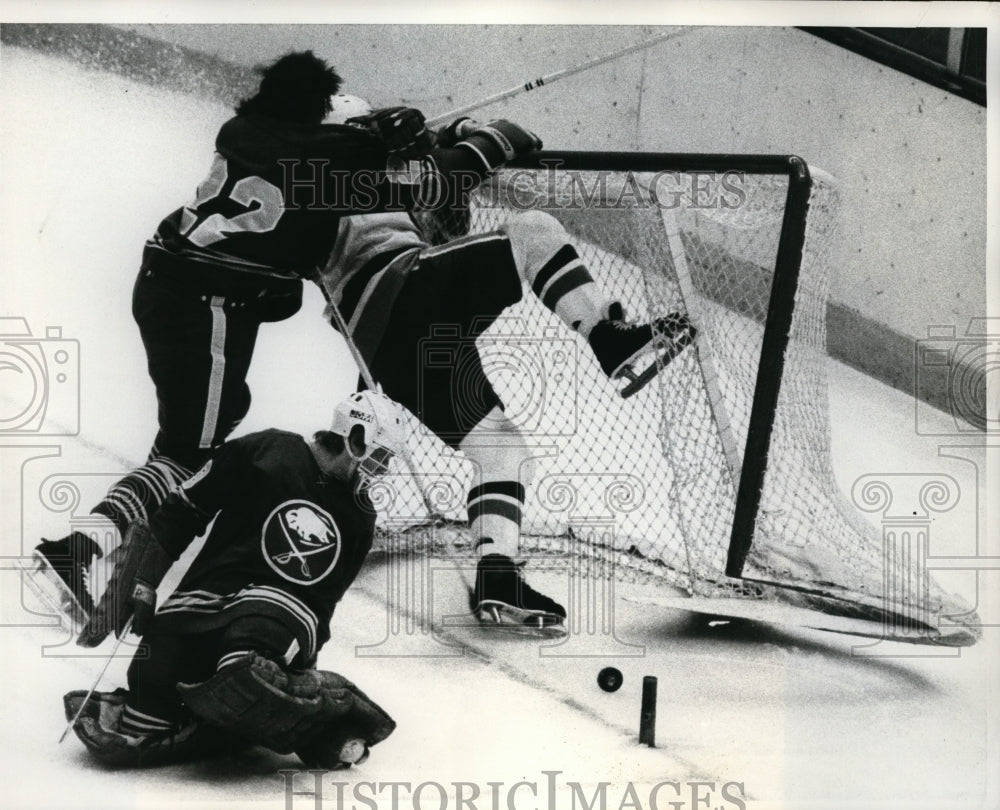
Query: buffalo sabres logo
x=300 y=541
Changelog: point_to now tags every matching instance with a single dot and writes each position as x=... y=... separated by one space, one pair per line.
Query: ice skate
x=617 y=344
x=503 y=600
x=58 y=574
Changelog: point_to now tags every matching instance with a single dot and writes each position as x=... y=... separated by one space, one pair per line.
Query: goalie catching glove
x=401 y=130
x=131 y=593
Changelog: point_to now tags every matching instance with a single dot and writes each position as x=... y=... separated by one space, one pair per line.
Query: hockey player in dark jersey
x=234 y=648
x=234 y=258
x=392 y=288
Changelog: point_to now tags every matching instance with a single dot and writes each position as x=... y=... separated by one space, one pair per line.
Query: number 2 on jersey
x=270 y=205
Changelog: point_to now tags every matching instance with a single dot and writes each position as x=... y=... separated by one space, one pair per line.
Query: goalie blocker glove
x=498 y=141
x=131 y=592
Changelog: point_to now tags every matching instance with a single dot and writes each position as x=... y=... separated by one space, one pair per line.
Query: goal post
x=716 y=478
x=774 y=344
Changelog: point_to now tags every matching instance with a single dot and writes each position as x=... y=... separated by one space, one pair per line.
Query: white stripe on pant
x=214 y=394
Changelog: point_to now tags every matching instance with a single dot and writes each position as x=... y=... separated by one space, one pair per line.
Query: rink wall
x=911 y=158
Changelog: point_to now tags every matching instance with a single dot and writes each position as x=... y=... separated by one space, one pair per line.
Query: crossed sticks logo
x=301 y=542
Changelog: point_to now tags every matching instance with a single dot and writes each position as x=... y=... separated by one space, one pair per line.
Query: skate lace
x=666 y=324
x=624 y=324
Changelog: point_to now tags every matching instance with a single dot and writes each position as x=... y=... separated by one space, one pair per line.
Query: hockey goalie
x=230 y=657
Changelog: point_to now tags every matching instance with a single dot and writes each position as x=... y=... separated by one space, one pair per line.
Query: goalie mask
x=382 y=425
x=344 y=107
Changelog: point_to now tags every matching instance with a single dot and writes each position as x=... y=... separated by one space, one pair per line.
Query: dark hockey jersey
x=276 y=191
x=287 y=541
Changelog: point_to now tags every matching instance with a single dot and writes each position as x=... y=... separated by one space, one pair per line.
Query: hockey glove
x=401 y=130
x=458 y=129
x=500 y=141
x=131 y=593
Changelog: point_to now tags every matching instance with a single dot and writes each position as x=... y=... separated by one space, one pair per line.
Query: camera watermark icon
x=536 y=376
x=959 y=374
x=40 y=381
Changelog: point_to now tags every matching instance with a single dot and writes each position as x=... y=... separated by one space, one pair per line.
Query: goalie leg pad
x=98 y=729
x=345 y=741
x=258 y=700
x=282 y=709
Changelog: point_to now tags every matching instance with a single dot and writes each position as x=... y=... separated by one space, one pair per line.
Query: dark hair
x=297 y=87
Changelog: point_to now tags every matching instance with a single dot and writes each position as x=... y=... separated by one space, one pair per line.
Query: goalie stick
x=407 y=459
x=97 y=681
x=703 y=350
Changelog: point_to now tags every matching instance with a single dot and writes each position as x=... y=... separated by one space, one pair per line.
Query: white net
x=646 y=487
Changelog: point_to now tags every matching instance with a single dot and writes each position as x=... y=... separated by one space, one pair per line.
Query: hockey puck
x=610 y=679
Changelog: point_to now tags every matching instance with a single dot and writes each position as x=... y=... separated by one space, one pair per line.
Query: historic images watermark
x=418 y=184
x=39 y=405
x=423 y=550
x=538 y=371
x=931 y=526
x=313 y=788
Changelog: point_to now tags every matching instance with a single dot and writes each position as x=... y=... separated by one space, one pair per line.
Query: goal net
x=716 y=477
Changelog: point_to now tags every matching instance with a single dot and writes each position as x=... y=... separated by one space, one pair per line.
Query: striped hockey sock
x=565 y=286
x=495 y=510
x=140 y=493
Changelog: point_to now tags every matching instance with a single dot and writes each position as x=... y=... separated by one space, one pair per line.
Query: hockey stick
x=104 y=669
x=703 y=351
x=407 y=458
x=560 y=74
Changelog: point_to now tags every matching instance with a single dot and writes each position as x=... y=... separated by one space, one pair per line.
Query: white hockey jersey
x=368 y=264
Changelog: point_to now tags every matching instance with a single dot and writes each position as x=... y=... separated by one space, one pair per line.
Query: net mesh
x=645 y=488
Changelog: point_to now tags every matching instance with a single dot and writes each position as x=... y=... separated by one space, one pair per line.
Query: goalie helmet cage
x=716 y=478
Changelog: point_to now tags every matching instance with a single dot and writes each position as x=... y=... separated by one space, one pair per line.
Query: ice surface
x=89 y=164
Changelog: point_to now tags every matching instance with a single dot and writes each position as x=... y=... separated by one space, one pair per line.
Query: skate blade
x=501 y=617
x=668 y=349
x=48 y=586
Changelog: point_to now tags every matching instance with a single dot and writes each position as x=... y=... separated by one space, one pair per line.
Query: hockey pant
x=198 y=329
